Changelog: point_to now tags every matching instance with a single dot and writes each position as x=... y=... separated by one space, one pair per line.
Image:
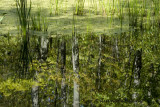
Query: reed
x=56 y=7
x=45 y=24
x=39 y=22
x=36 y=22
x=80 y=7
x=24 y=16
x=121 y=15
x=51 y=7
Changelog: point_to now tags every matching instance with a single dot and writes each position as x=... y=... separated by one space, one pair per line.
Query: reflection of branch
x=132 y=74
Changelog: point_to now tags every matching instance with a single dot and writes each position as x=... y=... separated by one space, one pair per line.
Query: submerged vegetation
x=80 y=53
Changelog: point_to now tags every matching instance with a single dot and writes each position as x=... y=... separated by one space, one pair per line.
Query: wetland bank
x=80 y=53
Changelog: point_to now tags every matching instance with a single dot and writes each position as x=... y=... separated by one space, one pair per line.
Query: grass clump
x=39 y=23
x=24 y=16
x=80 y=7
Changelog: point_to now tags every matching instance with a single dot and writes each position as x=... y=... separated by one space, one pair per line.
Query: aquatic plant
x=79 y=7
x=24 y=16
x=39 y=22
x=56 y=7
x=36 y=21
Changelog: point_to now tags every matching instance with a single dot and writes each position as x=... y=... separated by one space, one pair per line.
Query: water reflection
x=113 y=69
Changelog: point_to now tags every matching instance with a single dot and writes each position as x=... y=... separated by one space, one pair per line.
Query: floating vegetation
x=80 y=53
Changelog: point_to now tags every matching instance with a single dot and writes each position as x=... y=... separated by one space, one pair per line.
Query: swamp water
x=118 y=62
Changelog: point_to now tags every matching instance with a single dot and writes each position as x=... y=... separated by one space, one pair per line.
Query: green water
x=118 y=46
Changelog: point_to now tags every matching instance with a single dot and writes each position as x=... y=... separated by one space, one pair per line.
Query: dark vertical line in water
x=63 y=71
x=136 y=71
x=57 y=67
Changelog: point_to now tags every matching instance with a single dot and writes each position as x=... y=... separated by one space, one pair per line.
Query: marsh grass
x=121 y=17
x=137 y=18
x=45 y=24
x=95 y=8
x=98 y=10
x=79 y=7
x=56 y=7
x=24 y=16
x=102 y=7
x=66 y=6
x=36 y=21
x=24 y=13
x=39 y=22
x=51 y=7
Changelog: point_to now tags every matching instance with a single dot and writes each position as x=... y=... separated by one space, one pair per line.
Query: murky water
x=107 y=57
x=107 y=64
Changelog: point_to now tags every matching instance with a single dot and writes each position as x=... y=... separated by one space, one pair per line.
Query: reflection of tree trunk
x=56 y=83
x=115 y=48
x=35 y=92
x=151 y=74
x=75 y=61
x=43 y=57
x=63 y=63
x=154 y=85
x=25 y=55
x=128 y=65
x=44 y=48
x=156 y=77
x=99 y=63
x=137 y=65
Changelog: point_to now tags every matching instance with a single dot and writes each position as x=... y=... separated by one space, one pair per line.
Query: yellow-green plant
x=24 y=16
x=79 y=7
x=57 y=7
